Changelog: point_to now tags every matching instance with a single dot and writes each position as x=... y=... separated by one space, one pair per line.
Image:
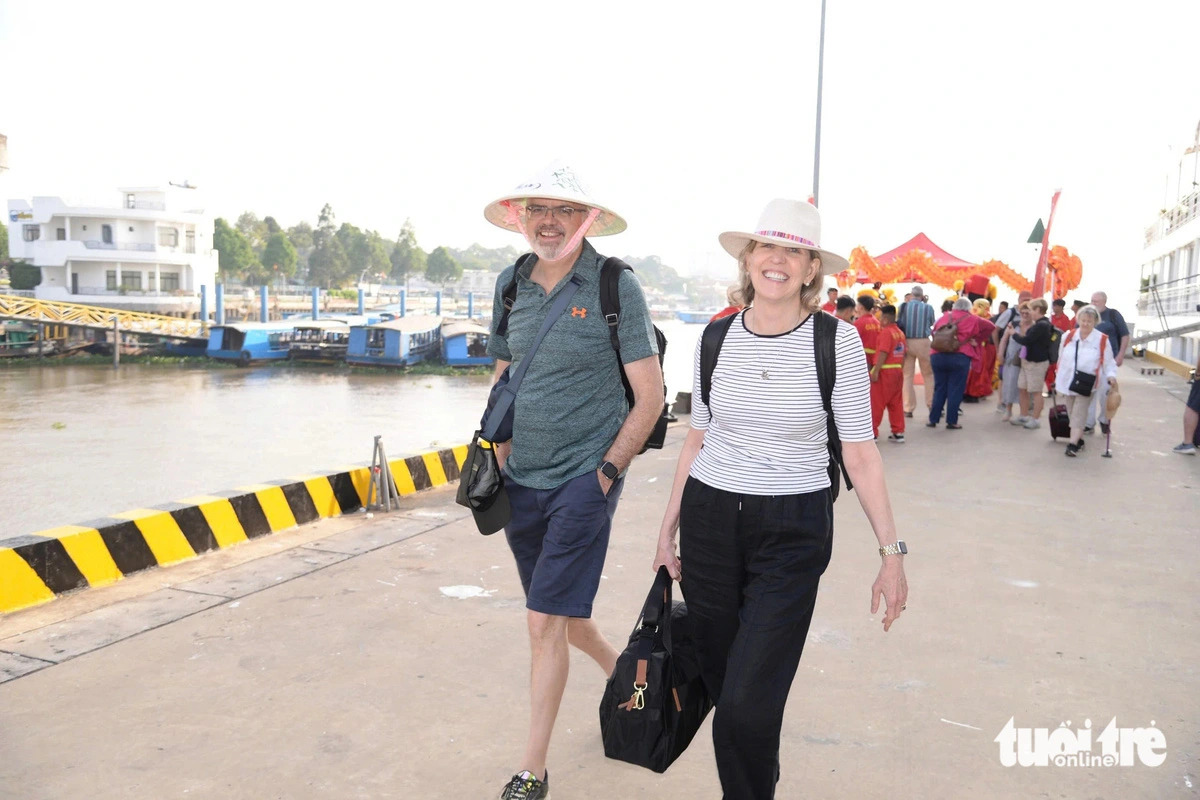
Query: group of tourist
x=1033 y=349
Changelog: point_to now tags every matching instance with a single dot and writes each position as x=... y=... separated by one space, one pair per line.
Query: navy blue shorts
x=559 y=538
x=1193 y=401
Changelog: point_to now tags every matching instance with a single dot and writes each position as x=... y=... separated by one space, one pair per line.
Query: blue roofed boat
x=396 y=343
x=247 y=342
x=696 y=317
x=464 y=343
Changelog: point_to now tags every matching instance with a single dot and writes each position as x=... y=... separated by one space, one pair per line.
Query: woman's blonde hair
x=743 y=293
x=1091 y=311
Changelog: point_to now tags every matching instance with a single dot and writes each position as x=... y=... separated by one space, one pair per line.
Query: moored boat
x=696 y=317
x=247 y=342
x=464 y=343
x=396 y=343
x=323 y=340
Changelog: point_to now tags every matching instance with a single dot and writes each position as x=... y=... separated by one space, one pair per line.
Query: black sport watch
x=609 y=470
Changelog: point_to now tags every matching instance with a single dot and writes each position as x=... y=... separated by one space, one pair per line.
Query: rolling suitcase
x=1060 y=421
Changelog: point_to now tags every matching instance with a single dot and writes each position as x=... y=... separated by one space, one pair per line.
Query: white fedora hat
x=556 y=182
x=788 y=223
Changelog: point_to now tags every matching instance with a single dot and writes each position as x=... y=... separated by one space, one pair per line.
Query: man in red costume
x=887 y=376
x=868 y=326
x=831 y=305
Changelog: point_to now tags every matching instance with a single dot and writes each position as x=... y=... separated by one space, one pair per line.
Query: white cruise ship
x=1169 y=299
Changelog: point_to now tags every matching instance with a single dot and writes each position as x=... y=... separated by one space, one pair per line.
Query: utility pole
x=817 y=141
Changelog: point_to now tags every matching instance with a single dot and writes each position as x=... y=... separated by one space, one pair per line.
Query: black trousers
x=751 y=566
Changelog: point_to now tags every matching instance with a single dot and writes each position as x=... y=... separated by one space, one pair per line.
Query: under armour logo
x=578 y=312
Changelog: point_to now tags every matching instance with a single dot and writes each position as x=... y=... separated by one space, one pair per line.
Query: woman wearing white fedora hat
x=752 y=498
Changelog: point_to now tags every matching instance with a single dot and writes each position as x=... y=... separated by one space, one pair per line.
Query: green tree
x=378 y=261
x=272 y=226
x=23 y=276
x=235 y=257
x=486 y=258
x=3 y=244
x=406 y=257
x=328 y=264
x=279 y=257
x=301 y=237
x=442 y=268
x=254 y=229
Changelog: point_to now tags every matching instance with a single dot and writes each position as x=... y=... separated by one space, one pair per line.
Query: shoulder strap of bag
x=610 y=297
x=710 y=347
x=505 y=400
x=509 y=295
x=824 y=341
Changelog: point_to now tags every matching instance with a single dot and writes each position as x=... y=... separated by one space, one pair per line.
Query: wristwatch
x=609 y=470
x=897 y=549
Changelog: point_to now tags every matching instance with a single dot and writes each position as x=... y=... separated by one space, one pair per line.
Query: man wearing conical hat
x=573 y=434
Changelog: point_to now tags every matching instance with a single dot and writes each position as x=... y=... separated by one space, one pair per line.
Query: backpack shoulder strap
x=610 y=296
x=509 y=296
x=710 y=347
x=824 y=341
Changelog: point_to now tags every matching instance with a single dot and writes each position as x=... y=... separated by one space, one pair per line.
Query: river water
x=82 y=442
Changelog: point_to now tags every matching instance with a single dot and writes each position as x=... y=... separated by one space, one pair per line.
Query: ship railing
x=1177 y=297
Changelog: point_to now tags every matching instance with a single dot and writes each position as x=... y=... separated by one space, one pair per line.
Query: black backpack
x=610 y=307
x=824 y=335
x=1055 y=341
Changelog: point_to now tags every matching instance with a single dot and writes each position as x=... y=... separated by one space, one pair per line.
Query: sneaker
x=1006 y=418
x=524 y=786
x=898 y=438
x=1001 y=408
x=1032 y=424
x=1185 y=449
x=931 y=424
x=1089 y=430
x=1019 y=420
x=908 y=414
x=1072 y=450
x=1080 y=443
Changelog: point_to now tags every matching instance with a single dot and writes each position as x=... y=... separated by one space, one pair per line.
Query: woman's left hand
x=893 y=587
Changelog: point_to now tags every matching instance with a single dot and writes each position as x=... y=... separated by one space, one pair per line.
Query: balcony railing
x=145 y=247
x=103 y=292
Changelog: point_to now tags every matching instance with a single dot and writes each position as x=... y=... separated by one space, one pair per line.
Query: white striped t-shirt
x=767 y=436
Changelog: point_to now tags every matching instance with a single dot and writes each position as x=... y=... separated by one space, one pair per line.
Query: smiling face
x=549 y=233
x=779 y=273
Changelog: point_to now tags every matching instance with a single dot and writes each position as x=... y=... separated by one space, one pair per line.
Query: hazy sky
x=947 y=117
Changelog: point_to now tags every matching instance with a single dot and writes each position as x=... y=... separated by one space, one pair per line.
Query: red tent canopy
x=919 y=242
x=923 y=242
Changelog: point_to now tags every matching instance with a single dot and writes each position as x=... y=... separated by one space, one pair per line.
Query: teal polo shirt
x=571 y=403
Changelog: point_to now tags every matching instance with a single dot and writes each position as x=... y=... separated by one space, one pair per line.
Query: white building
x=154 y=252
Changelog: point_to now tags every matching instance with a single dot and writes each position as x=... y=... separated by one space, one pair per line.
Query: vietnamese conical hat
x=557 y=181
x=1114 y=399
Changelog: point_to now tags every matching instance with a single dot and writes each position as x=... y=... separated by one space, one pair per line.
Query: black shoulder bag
x=481 y=484
x=656 y=699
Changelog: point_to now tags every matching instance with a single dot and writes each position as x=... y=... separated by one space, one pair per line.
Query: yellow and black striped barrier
x=39 y=567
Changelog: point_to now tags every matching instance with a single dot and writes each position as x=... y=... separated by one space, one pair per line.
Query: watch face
x=610 y=470
x=903 y=548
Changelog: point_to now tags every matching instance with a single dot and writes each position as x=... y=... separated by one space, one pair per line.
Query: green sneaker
x=524 y=786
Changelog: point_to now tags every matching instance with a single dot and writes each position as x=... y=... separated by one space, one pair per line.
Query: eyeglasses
x=564 y=213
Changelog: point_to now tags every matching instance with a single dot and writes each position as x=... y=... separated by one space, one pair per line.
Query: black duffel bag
x=655 y=700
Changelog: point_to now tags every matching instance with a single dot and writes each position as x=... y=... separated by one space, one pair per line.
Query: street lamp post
x=817 y=141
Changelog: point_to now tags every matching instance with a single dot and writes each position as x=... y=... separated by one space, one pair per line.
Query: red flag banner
x=1039 y=275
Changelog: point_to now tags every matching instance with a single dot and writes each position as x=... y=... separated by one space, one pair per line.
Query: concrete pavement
x=387 y=658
